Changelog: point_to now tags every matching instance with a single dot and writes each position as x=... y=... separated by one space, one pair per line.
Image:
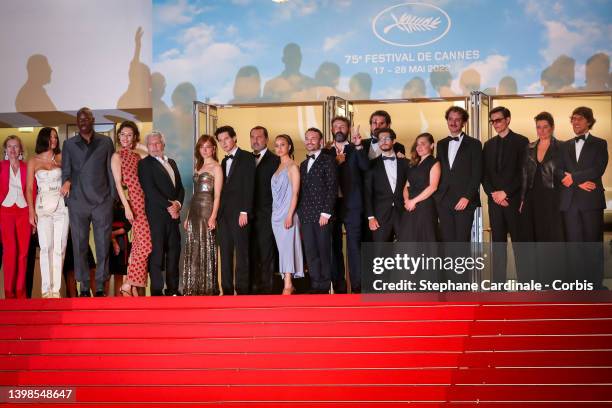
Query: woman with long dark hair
x=48 y=213
x=124 y=165
x=200 y=257
x=285 y=223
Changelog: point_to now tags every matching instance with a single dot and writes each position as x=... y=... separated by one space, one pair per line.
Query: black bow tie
x=310 y=156
x=257 y=155
x=374 y=140
x=392 y=158
x=229 y=156
x=455 y=138
x=581 y=137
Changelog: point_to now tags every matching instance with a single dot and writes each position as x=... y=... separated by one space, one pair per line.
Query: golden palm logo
x=410 y=23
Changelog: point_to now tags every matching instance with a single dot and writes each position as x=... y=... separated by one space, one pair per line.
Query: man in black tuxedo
x=164 y=195
x=234 y=211
x=380 y=119
x=457 y=196
x=503 y=157
x=383 y=192
x=584 y=161
x=351 y=164
x=318 y=192
x=264 y=255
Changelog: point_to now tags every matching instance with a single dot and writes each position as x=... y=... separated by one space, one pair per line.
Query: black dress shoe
x=100 y=293
x=85 y=293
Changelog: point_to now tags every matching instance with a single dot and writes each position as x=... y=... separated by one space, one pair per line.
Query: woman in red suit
x=14 y=218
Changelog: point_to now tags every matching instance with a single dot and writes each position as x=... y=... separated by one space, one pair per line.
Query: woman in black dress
x=540 y=198
x=420 y=220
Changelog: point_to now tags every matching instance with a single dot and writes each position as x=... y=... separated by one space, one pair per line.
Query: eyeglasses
x=496 y=121
x=385 y=139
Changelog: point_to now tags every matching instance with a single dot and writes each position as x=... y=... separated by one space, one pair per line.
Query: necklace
x=52 y=159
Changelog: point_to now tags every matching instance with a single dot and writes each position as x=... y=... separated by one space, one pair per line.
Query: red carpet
x=304 y=351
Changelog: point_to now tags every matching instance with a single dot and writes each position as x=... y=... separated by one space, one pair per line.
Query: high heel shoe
x=126 y=290
x=288 y=291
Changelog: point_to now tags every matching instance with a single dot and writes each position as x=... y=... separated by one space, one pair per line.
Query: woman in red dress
x=125 y=171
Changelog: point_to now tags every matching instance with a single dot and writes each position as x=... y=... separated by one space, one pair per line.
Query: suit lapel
x=572 y=149
x=383 y=169
x=460 y=150
x=162 y=169
x=586 y=148
x=234 y=163
x=95 y=141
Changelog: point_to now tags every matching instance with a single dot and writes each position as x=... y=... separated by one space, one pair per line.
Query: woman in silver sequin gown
x=200 y=258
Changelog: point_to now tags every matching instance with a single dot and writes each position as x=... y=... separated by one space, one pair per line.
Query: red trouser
x=16 y=232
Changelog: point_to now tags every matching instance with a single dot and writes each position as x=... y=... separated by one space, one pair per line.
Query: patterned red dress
x=141 y=235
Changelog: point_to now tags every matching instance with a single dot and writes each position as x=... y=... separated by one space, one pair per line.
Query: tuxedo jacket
x=397 y=146
x=380 y=200
x=591 y=167
x=318 y=188
x=239 y=185
x=158 y=188
x=350 y=175
x=508 y=178
x=88 y=167
x=463 y=179
x=262 y=195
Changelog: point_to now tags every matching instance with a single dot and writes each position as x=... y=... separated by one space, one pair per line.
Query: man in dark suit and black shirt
x=458 y=196
x=164 y=195
x=383 y=192
x=263 y=252
x=380 y=119
x=234 y=211
x=584 y=161
x=351 y=164
x=318 y=192
x=503 y=157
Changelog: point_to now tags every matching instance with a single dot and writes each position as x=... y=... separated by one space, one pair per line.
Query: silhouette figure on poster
x=598 y=73
x=33 y=97
x=507 y=86
x=559 y=76
x=415 y=88
x=291 y=80
x=138 y=93
x=441 y=82
x=247 y=85
x=360 y=86
x=469 y=81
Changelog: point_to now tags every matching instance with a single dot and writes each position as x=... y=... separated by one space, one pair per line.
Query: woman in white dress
x=48 y=212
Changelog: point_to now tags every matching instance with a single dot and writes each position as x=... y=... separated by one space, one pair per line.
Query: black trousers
x=101 y=217
x=504 y=221
x=317 y=246
x=351 y=219
x=389 y=230
x=166 y=240
x=232 y=238
x=455 y=226
x=584 y=235
x=264 y=255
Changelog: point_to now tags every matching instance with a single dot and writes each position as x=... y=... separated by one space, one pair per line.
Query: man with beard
x=384 y=188
x=318 y=192
x=380 y=120
x=351 y=162
x=263 y=250
x=89 y=190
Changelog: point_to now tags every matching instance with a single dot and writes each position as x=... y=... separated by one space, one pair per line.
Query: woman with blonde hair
x=14 y=218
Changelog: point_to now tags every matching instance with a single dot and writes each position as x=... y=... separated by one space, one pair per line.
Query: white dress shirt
x=261 y=155
x=310 y=161
x=453 y=148
x=580 y=145
x=391 y=169
x=15 y=193
x=164 y=161
x=229 y=161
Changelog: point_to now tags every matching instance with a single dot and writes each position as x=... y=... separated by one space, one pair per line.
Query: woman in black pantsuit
x=540 y=200
x=420 y=220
